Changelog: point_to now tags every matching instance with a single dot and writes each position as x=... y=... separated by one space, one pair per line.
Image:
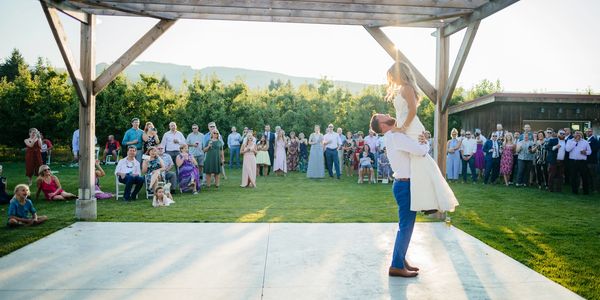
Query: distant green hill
x=176 y=74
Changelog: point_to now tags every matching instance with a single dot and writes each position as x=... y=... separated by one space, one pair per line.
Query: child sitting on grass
x=20 y=207
x=161 y=198
x=365 y=165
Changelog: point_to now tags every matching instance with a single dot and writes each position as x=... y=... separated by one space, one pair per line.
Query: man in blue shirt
x=233 y=143
x=133 y=137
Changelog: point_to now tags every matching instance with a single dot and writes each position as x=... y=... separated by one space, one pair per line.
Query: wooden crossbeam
x=68 y=9
x=461 y=57
x=103 y=6
x=397 y=55
x=478 y=14
x=60 y=36
x=131 y=54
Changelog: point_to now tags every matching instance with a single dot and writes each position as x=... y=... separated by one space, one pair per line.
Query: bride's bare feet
x=396 y=272
x=409 y=267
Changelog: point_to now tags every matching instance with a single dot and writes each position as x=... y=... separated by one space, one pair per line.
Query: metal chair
x=110 y=160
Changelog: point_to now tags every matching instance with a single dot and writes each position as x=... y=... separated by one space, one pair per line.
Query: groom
x=399 y=147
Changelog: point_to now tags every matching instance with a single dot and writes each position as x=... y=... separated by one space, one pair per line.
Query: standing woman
x=214 y=158
x=303 y=159
x=249 y=151
x=479 y=156
x=262 y=154
x=541 y=168
x=359 y=146
x=33 y=153
x=348 y=148
x=280 y=161
x=293 y=148
x=453 y=158
x=46 y=148
x=507 y=159
x=150 y=136
x=316 y=163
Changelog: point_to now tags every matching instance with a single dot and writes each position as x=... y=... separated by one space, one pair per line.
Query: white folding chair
x=97 y=152
x=160 y=183
x=119 y=192
x=110 y=160
x=49 y=157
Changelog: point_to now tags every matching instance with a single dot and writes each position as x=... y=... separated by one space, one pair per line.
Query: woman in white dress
x=429 y=190
x=280 y=161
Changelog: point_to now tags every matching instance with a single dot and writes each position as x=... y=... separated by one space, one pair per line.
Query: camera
x=153 y=129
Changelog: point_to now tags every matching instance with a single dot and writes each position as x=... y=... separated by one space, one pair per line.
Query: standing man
x=491 y=148
x=75 y=146
x=592 y=160
x=526 y=131
x=579 y=149
x=373 y=141
x=332 y=142
x=195 y=140
x=399 y=148
x=340 y=132
x=556 y=161
x=270 y=137
x=171 y=140
x=233 y=143
x=133 y=137
x=129 y=173
x=468 y=147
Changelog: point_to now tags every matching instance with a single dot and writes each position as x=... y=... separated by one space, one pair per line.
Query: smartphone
x=145 y=157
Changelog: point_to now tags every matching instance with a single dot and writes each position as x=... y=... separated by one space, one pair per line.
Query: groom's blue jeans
x=401 y=190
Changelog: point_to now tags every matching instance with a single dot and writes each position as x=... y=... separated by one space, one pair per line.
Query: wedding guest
x=525 y=159
x=20 y=208
x=539 y=160
x=46 y=148
x=372 y=140
x=33 y=154
x=150 y=136
x=129 y=173
x=99 y=172
x=332 y=142
x=249 y=152
x=303 y=158
x=212 y=127
x=188 y=175
x=292 y=153
x=384 y=169
x=4 y=196
x=270 y=138
x=340 y=149
x=234 y=141
x=492 y=150
x=348 y=147
x=556 y=155
x=280 y=161
x=468 y=147
x=500 y=132
x=479 y=155
x=111 y=148
x=315 y=160
x=75 y=146
x=568 y=161
x=453 y=156
x=160 y=198
x=515 y=170
x=579 y=149
x=169 y=172
x=429 y=141
x=133 y=137
x=526 y=131
x=360 y=145
x=507 y=160
x=213 y=159
x=366 y=165
x=592 y=159
x=153 y=167
x=50 y=185
x=172 y=141
x=244 y=134
x=195 y=142
x=262 y=154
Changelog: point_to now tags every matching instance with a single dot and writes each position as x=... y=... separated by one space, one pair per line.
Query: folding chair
x=110 y=160
x=160 y=183
x=49 y=157
x=97 y=152
x=119 y=192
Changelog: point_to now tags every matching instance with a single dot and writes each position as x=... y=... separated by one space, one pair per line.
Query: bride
x=428 y=188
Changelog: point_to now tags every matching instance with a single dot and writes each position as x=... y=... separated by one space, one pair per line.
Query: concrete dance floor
x=262 y=261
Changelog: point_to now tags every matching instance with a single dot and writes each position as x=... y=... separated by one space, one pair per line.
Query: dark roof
x=524 y=98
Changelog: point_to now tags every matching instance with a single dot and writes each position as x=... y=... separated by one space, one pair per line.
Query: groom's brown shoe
x=409 y=267
x=396 y=272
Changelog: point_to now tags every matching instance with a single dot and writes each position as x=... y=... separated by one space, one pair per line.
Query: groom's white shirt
x=399 y=147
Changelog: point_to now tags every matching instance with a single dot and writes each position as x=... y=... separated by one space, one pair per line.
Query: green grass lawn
x=557 y=235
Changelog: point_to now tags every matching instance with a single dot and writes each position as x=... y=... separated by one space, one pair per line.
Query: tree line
x=42 y=97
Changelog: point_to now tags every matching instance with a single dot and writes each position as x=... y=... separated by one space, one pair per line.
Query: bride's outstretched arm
x=408 y=93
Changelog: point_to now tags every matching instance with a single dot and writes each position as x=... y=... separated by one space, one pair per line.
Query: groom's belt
x=401 y=179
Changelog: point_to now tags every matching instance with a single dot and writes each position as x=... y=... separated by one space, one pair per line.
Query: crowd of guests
x=546 y=159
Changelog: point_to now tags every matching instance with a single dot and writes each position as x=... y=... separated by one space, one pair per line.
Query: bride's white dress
x=428 y=187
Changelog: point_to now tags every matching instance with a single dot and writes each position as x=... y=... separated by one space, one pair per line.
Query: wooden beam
x=478 y=14
x=397 y=55
x=130 y=55
x=68 y=9
x=60 y=36
x=125 y=8
x=461 y=57
x=441 y=116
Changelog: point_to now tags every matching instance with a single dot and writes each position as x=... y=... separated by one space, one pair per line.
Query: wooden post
x=86 y=204
x=441 y=115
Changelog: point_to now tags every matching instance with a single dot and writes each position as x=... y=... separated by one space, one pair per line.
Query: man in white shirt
x=399 y=148
x=579 y=149
x=129 y=173
x=195 y=140
x=340 y=132
x=468 y=148
x=172 y=139
x=332 y=142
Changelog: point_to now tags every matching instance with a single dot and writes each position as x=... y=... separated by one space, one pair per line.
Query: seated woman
x=187 y=171
x=383 y=166
x=153 y=166
x=20 y=207
x=100 y=173
x=365 y=165
x=50 y=185
x=161 y=198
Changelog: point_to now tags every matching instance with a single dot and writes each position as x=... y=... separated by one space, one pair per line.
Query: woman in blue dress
x=316 y=161
x=453 y=163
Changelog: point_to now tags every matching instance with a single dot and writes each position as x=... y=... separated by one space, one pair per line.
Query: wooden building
x=513 y=110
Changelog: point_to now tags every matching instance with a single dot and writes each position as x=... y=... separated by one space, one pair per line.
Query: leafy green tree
x=10 y=67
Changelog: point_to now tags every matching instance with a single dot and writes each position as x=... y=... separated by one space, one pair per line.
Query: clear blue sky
x=541 y=45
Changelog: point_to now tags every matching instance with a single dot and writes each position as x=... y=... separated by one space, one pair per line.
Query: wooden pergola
x=445 y=16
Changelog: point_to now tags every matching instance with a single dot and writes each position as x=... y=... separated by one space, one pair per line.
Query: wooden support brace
x=68 y=10
x=397 y=55
x=478 y=14
x=461 y=57
x=130 y=55
x=61 y=40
